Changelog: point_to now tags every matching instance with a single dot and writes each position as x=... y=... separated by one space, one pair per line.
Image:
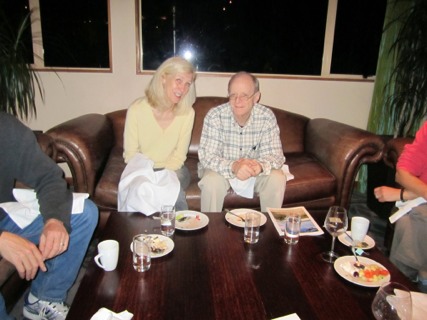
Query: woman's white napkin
x=405 y=207
x=141 y=189
x=105 y=314
x=27 y=208
x=245 y=188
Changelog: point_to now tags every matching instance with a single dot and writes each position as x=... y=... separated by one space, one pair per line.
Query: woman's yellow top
x=168 y=147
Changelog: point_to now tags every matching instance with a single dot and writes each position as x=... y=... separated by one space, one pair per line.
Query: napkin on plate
x=106 y=314
x=26 y=208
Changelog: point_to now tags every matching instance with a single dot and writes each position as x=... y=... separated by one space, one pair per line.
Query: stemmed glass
x=336 y=223
x=392 y=301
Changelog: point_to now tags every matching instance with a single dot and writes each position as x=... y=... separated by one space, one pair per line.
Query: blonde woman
x=159 y=125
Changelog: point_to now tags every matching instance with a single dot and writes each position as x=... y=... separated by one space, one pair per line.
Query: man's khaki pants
x=214 y=187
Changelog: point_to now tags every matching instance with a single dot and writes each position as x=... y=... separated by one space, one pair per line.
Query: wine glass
x=336 y=223
x=392 y=301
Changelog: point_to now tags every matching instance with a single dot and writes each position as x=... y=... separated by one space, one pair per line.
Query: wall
x=70 y=94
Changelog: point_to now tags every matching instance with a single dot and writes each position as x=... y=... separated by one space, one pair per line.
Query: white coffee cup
x=108 y=255
x=359 y=229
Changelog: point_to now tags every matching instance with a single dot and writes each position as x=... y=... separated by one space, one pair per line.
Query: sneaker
x=45 y=310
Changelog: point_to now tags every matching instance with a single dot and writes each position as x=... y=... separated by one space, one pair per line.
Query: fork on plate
x=236 y=215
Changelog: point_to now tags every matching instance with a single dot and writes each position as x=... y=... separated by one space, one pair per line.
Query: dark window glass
x=12 y=14
x=260 y=36
x=358 y=31
x=75 y=33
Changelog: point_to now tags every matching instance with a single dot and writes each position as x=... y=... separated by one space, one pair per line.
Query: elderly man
x=240 y=147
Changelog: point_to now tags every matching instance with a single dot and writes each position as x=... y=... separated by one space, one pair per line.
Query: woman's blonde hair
x=155 y=92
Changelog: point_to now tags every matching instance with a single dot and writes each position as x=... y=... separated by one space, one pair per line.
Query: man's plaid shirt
x=223 y=141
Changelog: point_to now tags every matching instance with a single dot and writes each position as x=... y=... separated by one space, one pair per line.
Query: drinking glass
x=167 y=220
x=141 y=253
x=392 y=301
x=251 y=231
x=336 y=223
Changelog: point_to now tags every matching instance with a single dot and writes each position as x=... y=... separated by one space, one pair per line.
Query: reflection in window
x=261 y=36
x=265 y=36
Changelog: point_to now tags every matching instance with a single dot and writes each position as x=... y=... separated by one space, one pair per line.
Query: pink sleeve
x=414 y=156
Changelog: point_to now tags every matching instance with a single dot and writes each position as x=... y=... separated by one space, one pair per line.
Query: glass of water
x=252 y=222
x=167 y=220
x=292 y=228
x=141 y=253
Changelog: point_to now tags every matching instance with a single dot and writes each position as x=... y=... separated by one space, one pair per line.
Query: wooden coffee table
x=212 y=274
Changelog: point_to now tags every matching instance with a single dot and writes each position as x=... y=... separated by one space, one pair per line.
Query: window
x=263 y=36
x=75 y=33
x=357 y=38
x=12 y=14
x=63 y=34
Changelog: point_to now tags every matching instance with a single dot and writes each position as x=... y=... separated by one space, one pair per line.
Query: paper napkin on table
x=419 y=305
x=292 y=316
x=26 y=208
x=105 y=314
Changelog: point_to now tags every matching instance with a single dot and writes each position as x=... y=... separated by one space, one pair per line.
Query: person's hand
x=256 y=166
x=245 y=168
x=23 y=254
x=54 y=239
x=387 y=194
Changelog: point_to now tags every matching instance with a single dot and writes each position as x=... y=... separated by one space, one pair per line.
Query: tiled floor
x=358 y=207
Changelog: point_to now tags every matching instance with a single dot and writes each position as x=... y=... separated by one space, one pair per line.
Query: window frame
x=38 y=50
x=326 y=60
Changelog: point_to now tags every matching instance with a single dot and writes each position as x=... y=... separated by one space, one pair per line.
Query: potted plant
x=18 y=80
x=407 y=101
x=399 y=103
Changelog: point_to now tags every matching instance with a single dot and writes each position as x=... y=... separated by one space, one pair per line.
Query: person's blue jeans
x=62 y=270
x=184 y=178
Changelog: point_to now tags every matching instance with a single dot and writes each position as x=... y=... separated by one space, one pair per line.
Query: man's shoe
x=45 y=310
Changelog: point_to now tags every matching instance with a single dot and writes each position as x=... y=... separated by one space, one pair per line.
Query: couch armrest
x=84 y=143
x=393 y=149
x=342 y=149
x=46 y=143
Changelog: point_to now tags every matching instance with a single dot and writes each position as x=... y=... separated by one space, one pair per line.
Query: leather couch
x=323 y=155
x=11 y=285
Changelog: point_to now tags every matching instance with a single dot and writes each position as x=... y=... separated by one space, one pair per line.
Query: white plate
x=169 y=245
x=341 y=262
x=194 y=220
x=235 y=221
x=344 y=239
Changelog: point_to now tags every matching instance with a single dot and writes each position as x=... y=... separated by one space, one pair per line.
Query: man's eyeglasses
x=243 y=97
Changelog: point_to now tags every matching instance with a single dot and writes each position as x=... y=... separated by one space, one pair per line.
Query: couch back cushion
x=292 y=126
